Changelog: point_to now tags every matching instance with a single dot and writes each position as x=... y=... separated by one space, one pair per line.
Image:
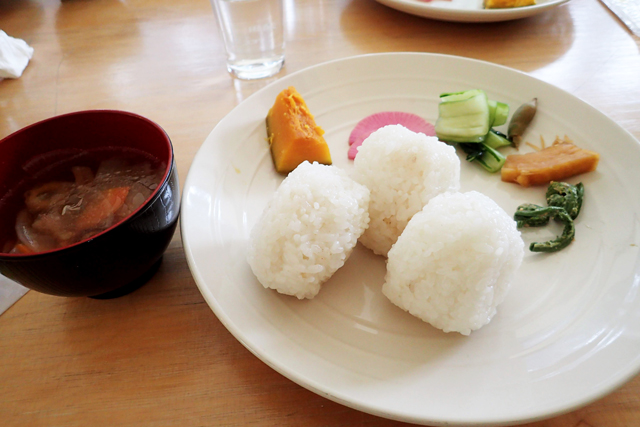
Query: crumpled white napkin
x=14 y=56
x=10 y=292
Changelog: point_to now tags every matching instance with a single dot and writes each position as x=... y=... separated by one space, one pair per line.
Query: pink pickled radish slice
x=353 y=150
x=372 y=123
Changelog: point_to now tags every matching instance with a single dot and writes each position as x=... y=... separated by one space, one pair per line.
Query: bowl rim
x=167 y=173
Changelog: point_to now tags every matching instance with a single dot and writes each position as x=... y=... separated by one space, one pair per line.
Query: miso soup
x=77 y=198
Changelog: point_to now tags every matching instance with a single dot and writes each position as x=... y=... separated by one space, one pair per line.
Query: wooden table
x=159 y=356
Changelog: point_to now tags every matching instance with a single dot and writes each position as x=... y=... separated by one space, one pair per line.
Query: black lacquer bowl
x=117 y=260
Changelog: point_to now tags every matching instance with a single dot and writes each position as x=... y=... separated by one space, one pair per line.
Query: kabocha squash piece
x=293 y=133
x=499 y=4
x=555 y=163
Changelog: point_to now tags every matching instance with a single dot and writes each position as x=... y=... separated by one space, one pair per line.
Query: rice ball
x=403 y=170
x=308 y=230
x=454 y=262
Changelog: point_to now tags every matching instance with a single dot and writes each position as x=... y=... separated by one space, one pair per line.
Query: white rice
x=403 y=170
x=308 y=230
x=454 y=262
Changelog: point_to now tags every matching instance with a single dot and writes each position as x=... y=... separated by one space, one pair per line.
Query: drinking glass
x=253 y=36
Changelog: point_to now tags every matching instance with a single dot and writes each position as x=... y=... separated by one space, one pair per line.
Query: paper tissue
x=14 y=56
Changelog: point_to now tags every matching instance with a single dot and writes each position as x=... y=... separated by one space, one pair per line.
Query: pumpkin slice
x=555 y=163
x=293 y=133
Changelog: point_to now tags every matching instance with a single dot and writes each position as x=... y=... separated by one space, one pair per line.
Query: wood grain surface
x=159 y=356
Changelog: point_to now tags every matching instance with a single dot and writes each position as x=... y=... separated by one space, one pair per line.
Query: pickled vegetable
x=566 y=196
x=293 y=133
x=555 y=163
x=526 y=212
x=483 y=154
x=464 y=116
x=520 y=121
x=564 y=202
x=496 y=140
x=372 y=123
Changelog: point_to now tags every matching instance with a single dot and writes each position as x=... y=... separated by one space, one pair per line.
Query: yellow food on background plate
x=293 y=133
x=504 y=4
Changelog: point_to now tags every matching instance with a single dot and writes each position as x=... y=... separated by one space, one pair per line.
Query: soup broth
x=77 y=198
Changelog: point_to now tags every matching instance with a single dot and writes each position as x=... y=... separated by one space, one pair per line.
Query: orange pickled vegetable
x=293 y=133
x=95 y=213
x=555 y=163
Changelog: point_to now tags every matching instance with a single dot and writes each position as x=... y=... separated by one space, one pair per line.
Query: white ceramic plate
x=569 y=330
x=468 y=10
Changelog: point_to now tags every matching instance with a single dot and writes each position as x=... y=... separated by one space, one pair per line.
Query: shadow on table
x=112 y=19
x=548 y=35
x=30 y=14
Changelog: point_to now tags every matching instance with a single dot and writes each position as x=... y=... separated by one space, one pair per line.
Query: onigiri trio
x=451 y=256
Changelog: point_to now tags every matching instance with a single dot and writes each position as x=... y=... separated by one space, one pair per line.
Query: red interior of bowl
x=25 y=152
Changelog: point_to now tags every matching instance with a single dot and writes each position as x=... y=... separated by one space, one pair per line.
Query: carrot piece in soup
x=23 y=249
x=97 y=212
x=555 y=163
x=293 y=133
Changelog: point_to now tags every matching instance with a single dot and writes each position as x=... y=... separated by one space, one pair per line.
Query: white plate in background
x=568 y=331
x=468 y=10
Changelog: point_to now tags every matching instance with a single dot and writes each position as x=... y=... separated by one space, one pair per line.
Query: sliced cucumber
x=463 y=116
x=496 y=139
x=499 y=113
